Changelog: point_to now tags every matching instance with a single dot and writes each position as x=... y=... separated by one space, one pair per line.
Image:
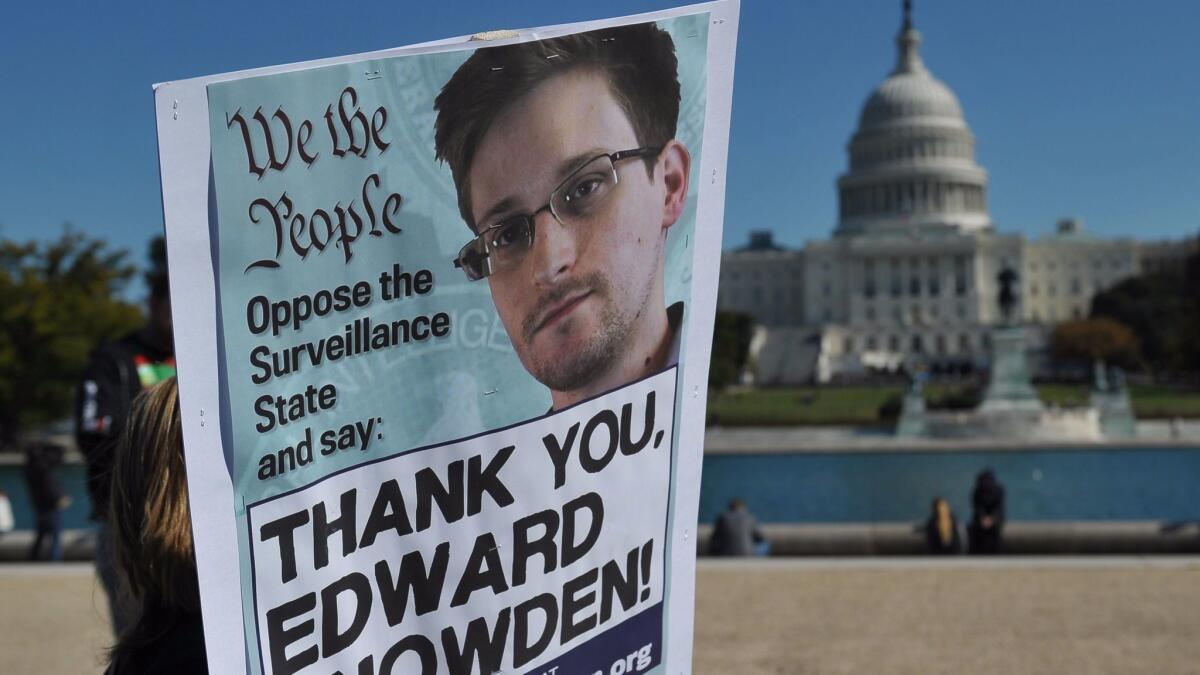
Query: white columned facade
x=909 y=276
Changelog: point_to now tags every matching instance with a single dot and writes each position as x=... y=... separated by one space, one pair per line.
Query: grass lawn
x=800 y=406
x=808 y=406
x=1152 y=401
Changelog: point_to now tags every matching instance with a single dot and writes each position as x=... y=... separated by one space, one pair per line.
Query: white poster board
x=443 y=316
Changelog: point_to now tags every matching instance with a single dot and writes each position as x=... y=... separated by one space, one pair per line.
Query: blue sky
x=1087 y=110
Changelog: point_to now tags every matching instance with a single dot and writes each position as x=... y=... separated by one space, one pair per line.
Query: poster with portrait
x=443 y=320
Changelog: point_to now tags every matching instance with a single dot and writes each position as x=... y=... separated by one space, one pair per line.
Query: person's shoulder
x=107 y=358
x=161 y=660
x=675 y=315
x=179 y=651
x=674 y=324
x=122 y=347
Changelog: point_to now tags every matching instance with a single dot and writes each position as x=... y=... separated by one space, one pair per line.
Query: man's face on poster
x=574 y=300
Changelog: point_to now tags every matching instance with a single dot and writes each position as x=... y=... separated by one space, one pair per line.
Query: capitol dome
x=912 y=158
x=907 y=95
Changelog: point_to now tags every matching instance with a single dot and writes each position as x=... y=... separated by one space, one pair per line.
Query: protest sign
x=443 y=317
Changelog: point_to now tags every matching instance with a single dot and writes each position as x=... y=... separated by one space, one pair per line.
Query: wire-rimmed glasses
x=504 y=245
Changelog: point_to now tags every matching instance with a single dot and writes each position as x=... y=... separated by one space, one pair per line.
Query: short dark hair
x=638 y=61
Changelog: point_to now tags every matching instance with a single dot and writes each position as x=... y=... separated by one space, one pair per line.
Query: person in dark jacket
x=49 y=500
x=735 y=532
x=941 y=530
x=152 y=538
x=987 y=519
x=115 y=374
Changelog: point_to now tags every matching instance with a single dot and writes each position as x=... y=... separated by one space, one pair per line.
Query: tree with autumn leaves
x=1096 y=339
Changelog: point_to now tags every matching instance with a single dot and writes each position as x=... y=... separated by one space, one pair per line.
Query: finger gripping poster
x=442 y=409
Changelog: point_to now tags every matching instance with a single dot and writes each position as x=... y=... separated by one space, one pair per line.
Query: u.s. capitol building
x=910 y=273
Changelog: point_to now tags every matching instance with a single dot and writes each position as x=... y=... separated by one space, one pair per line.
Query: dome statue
x=912 y=158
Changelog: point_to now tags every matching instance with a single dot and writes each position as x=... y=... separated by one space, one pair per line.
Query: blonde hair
x=150 y=523
x=945 y=522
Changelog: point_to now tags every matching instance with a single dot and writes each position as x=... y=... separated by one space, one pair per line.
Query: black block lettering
x=332 y=641
x=285 y=529
x=323 y=529
x=425 y=585
x=280 y=638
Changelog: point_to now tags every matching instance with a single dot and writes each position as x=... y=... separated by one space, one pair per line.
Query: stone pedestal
x=1011 y=408
x=1116 y=414
x=912 y=415
x=1110 y=399
x=1010 y=388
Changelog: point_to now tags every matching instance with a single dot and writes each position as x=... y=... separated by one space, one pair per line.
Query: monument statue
x=1118 y=380
x=912 y=409
x=1008 y=295
x=1099 y=375
x=1009 y=387
x=916 y=385
x=1110 y=399
x=1011 y=407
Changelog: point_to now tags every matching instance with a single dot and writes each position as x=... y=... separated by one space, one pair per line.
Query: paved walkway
x=922 y=616
x=775 y=616
x=53 y=619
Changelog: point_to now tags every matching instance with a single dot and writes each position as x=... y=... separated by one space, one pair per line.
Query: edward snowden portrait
x=569 y=176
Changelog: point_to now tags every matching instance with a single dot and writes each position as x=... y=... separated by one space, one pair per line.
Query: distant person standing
x=735 y=532
x=987 y=520
x=941 y=530
x=6 y=514
x=116 y=373
x=49 y=500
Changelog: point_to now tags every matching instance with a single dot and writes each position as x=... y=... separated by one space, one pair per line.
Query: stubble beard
x=598 y=354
